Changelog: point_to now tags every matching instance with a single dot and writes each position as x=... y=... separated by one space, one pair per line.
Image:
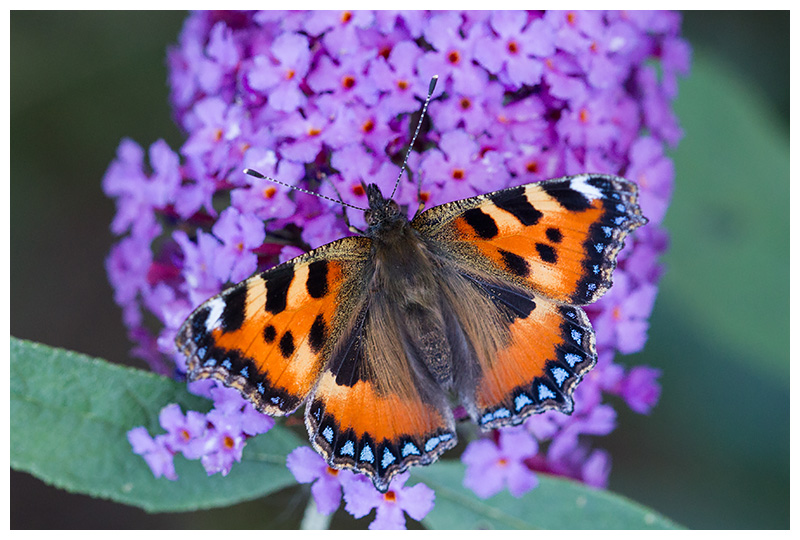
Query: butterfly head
x=383 y=213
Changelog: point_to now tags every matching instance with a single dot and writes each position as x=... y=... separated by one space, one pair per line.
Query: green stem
x=313 y=520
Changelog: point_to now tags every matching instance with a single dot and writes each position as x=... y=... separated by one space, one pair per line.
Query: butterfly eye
x=392 y=208
x=368 y=216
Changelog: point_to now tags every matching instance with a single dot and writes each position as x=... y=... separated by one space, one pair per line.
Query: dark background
x=713 y=454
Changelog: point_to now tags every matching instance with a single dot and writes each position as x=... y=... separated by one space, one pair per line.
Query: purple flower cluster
x=216 y=438
x=330 y=485
x=306 y=96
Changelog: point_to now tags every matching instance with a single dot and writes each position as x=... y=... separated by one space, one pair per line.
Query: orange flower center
x=402 y=85
x=348 y=82
x=583 y=116
x=289 y=74
x=454 y=57
x=269 y=192
x=333 y=472
x=358 y=190
x=390 y=496
x=227 y=442
x=346 y=16
x=368 y=126
x=458 y=174
x=512 y=47
x=465 y=104
x=313 y=132
x=532 y=167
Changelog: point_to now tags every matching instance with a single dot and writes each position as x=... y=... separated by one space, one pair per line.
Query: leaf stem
x=313 y=520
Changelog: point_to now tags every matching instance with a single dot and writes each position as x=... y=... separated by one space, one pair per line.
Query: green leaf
x=555 y=503
x=69 y=429
x=69 y=417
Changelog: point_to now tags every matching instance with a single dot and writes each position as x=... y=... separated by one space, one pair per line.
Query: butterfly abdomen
x=408 y=282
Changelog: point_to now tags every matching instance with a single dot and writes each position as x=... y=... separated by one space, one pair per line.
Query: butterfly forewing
x=269 y=335
x=559 y=237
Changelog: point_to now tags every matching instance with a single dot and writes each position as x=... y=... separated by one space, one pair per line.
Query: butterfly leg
x=419 y=195
x=350 y=227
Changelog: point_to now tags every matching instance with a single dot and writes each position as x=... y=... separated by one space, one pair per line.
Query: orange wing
x=548 y=349
x=374 y=410
x=309 y=328
x=534 y=252
x=558 y=237
x=269 y=335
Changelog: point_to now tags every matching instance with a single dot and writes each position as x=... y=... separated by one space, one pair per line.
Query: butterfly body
x=475 y=300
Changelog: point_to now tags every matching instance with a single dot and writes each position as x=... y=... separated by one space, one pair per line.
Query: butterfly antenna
x=431 y=86
x=257 y=174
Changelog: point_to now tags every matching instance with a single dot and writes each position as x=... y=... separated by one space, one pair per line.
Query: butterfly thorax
x=398 y=252
x=405 y=285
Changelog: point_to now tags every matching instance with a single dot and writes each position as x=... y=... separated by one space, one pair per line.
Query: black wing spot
x=318 y=334
x=547 y=253
x=516 y=203
x=515 y=264
x=517 y=304
x=286 y=344
x=568 y=198
x=233 y=314
x=270 y=334
x=554 y=235
x=277 y=282
x=482 y=223
x=199 y=321
x=317 y=282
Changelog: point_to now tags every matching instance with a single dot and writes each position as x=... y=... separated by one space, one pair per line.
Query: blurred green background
x=713 y=454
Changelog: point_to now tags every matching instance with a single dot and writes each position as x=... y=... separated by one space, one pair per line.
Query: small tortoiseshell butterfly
x=474 y=301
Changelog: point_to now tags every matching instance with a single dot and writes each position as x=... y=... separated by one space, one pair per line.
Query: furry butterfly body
x=474 y=302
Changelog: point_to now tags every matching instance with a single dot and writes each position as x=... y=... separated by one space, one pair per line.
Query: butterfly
x=474 y=302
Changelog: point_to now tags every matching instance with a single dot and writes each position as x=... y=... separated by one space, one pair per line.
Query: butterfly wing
x=311 y=329
x=547 y=348
x=269 y=335
x=559 y=237
x=374 y=409
x=534 y=252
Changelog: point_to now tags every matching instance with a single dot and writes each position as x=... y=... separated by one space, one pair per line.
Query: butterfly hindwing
x=378 y=434
x=374 y=410
x=549 y=347
x=269 y=335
